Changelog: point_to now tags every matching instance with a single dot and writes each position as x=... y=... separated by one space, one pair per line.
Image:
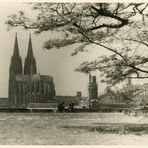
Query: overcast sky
x=57 y=63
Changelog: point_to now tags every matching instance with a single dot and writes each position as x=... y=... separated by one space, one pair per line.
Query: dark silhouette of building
x=92 y=88
x=27 y=86
x=30 y=63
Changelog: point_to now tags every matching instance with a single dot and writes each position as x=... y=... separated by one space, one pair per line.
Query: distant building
x=69 y=99
x=141 y=94
x=26 y=86
x=107 y=97
x=92 y=90
x=3 y=102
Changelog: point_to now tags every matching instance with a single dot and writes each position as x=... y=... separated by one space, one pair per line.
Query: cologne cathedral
x=25 y=84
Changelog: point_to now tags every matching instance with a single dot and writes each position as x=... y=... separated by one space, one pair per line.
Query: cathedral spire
x=14 y=69
x=16 y=61
x=30 y=51
x=30 y=63
x=16 y=49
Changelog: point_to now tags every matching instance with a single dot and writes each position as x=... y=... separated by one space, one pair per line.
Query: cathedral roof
x=46 y=78
x=36 y=77
x=23 y=78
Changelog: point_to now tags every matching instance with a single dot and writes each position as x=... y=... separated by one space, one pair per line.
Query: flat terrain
x=72 y=129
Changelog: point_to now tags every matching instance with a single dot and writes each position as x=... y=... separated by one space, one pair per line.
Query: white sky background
x=57 y=63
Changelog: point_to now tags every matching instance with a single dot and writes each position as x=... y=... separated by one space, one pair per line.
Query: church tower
x=30 y=63
x=14 y=69
x=16 y=61
x=92 y=88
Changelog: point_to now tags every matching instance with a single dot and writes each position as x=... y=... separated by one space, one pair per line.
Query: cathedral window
x=42 y=87
x=32 y=87
x=20 y=87
x=37 y=86
x=45 y=88
x=17 y=87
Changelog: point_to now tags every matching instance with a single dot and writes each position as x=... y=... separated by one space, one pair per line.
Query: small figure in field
x=71 y=107
x=61 y=107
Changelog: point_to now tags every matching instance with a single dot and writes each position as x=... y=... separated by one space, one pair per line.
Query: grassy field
x=72 y=129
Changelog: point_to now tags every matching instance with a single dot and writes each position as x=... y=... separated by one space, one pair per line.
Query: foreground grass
x=114 y=128
x=72 y=129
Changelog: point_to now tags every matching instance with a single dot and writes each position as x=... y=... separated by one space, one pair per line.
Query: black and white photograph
x=73 y=73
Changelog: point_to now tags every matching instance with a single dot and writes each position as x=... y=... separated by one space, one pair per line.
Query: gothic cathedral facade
x=26 y=85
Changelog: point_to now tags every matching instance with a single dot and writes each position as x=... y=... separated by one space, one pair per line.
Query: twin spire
x=30 y=63
x=16 y=61
x=16 y=49
x=30 y=51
